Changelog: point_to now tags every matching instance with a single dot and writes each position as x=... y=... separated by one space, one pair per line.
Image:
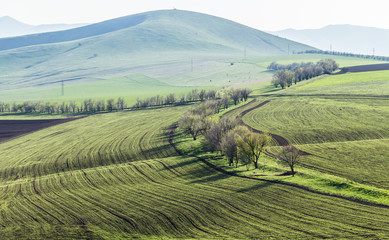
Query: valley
x=134 y=173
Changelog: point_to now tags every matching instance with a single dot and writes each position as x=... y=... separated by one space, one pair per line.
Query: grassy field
x=116 y=176
x=139 y=76
x=341 y=120
x=364 y=83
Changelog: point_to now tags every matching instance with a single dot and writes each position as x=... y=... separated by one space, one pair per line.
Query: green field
x=132 y=78
x=116 y=176
x=341 y=120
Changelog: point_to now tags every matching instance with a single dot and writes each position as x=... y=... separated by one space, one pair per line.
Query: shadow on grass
x=213 y=178
x=183 y=164
x=255 y=187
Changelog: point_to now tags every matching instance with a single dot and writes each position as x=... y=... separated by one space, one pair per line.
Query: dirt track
x=364 y=68
x=14 y=128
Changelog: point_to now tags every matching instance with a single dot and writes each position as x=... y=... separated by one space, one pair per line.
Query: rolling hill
x=10 y=27
x=158 y=44
x=343 y=38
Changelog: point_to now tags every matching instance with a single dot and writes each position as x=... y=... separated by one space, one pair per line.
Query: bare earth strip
x=13 y=128
x=365 y=68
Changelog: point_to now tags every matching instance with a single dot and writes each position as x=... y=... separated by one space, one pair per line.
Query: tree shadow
x=212 y=178
x=255 y=187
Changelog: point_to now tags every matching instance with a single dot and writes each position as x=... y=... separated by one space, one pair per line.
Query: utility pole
x=62 y=88
x=244 y=53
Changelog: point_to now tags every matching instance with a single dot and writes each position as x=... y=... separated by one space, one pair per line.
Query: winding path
x=279 y=139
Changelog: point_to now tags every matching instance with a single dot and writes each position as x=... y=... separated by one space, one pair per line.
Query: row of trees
x=236 y=95
x=224 y=96
x=226 y=136
x=380 y=58
x=286 y=75
x=86 y=106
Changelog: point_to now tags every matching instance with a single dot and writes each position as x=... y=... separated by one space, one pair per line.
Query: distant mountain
x=342 y=38
x=155 y=43
x=10 y=27
x=167 y=26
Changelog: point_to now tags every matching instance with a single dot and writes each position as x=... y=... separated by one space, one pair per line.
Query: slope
x=158 y=44
x=115 y=176
x=176 y=22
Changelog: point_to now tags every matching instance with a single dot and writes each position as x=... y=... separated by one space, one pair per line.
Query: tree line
x=229 y=138
x=286 y=75
x=380 y=58
x=72 y=107
x=224 y=97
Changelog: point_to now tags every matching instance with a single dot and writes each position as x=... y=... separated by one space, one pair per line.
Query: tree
x=170 y=99
x=202 y=95
x=290 y=156
x=120 y=103
x=245 y=93
x=251 y=146
x=235 y=95
x=214 y=134
x=191 y=125
x=228 y=144
x=110 y=105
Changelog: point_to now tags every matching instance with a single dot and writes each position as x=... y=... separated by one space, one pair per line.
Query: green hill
x=159 y=45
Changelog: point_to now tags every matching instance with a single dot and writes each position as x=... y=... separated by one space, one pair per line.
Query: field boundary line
x=172 y=131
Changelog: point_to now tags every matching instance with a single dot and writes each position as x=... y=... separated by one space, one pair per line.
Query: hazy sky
x=260 y=14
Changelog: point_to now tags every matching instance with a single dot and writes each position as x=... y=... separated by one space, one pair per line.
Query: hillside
x=10 y=27
x=343 y=38
x=159 y=45
x=195 y=29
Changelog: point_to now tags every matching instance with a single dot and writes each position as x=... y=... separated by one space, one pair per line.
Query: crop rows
x=89 y=142
x=364 y=161
x=116 y=176
x=307 y=121
x=178 y=197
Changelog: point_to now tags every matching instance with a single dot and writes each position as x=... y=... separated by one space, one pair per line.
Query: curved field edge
x=163 y=197
x=313 y=177
x=182 y=198
x=97 y=140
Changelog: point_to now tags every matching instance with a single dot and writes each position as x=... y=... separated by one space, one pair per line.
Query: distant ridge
x=10 y=27
x=343 y=38
x=203 y=27
x=154 y=44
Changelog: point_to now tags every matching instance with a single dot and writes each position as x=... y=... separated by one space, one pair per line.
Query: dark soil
x=364 y=68
x=14 y=128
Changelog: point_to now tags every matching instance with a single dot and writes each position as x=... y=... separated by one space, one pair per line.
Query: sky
x=267 y=15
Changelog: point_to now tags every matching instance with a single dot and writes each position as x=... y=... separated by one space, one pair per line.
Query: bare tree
x=245 y=93
x=251 y=146
x=290 y=156
x=228 y=144
x=235 y=95
x=191 y=124
x=213 y=136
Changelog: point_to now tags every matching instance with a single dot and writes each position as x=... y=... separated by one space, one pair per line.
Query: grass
x=97 y=140
x=365 y=83
x=115 y=176
x=323 y=119
x=347 y=137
